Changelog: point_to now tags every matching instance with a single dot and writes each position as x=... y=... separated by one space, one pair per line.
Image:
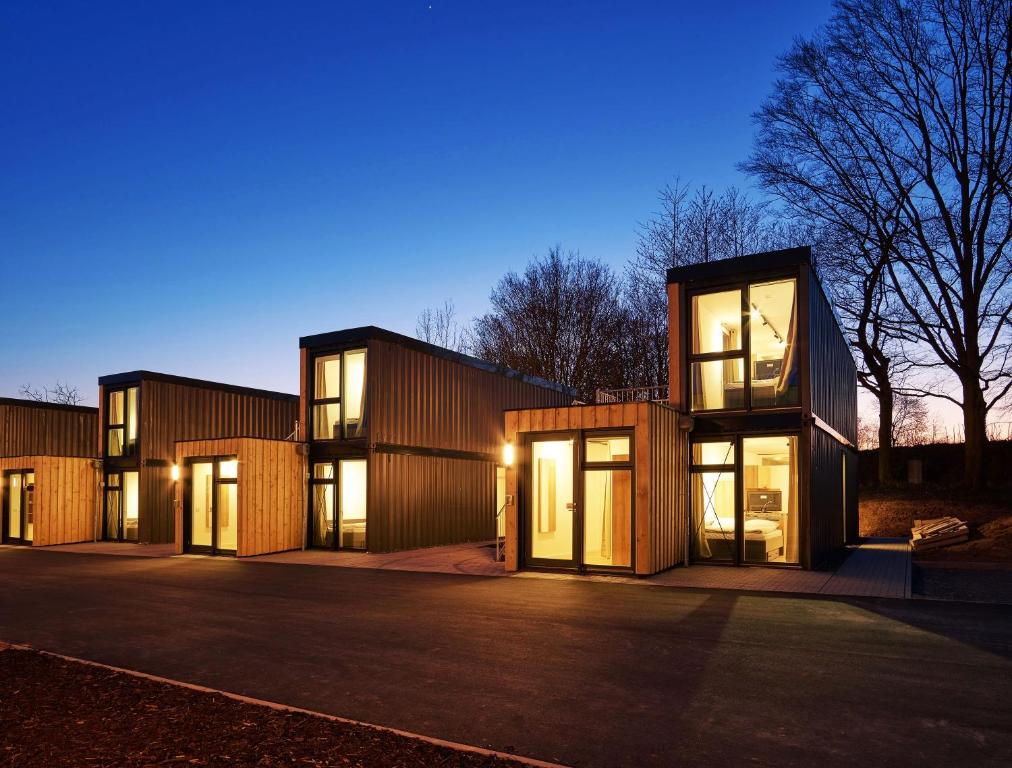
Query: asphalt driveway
x=581 y=672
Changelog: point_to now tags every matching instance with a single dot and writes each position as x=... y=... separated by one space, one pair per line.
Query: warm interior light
x=175 y=472
x=507 y=454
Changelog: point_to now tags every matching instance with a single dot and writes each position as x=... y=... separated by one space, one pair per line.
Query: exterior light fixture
x=507 y=454
x=175 y=472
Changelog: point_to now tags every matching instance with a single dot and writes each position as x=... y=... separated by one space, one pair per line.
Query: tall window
x=121 y=422
x=339 y=395
x=727 y=332
x=712 y=494
x=339 y=514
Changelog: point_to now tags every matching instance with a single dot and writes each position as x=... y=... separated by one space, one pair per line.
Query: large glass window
x=19 y=504
x=772 y=344
x=770 y=501
x=121 y=422
x=122 y=506
x=338 y=515
x=131 y=505
x=339 y=401
x=14 y=505
x=552 y=502
x=607 y=500
x=744 y=356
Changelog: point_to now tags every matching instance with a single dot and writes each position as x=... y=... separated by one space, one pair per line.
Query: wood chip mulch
x=55 y=712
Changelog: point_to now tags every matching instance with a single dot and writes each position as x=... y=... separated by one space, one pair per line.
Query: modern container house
x=142 y=417
x=49 y=472
x=760 y=464
x=405 y=439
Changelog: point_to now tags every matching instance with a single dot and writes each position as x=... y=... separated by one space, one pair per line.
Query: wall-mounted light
x=174 y=472
x=507 y=454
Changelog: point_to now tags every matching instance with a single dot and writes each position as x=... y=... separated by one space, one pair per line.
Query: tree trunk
x=885 y=435
x=975 y=431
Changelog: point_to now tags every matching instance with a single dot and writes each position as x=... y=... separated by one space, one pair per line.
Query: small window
x=713 y=453
x=228 y=468
x=717 y=324
x=328 y=377
x=607 y=448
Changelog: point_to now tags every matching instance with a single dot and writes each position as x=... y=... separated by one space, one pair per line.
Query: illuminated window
x=338 y=514
x=339 y=400
x=121 y=422
x=772 y=347
x=717 y=369
x=213 y=514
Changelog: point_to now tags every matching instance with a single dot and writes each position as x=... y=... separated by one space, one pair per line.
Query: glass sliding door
x=212 y=498
x=122 y=506
x=712 y=502
x=551 y=522
x=19 y=506
x=770 y=499
x=338 y=514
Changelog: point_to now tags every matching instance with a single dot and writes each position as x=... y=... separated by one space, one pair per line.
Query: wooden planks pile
x=937 y=532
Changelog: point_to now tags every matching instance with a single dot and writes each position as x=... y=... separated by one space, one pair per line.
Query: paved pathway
x=570 y=670
x=876 y=568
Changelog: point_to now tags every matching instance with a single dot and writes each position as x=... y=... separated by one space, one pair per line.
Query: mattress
x=723 y=527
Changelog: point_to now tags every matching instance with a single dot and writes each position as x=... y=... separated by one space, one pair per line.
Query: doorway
x=19 y=506
x=122 y=505
x=579 y=501
x=211 y=505
x=338 y=511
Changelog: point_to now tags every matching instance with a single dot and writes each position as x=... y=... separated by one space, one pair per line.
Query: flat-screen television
x=764 y=500
x=767 y=369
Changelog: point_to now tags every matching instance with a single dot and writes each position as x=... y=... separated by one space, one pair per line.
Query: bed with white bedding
x=764 y=539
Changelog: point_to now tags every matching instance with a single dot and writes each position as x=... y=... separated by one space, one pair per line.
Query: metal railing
x=631 y=395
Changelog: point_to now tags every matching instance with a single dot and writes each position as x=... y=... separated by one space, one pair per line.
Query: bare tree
x=61 y=393
x=561 y=319
x=688 y=228
x=906 y=106
x=910 y=421
x=439 y=326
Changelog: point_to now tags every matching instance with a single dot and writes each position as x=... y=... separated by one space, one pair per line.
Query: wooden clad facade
x=65 y=497
x=658 y=469
x=175 y=408
x=271 y=491
x=432 y=434
x=56 y=443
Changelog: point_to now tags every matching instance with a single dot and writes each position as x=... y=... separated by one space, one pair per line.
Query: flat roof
x=131 y=377
x=51 y=406
x=366 y=333
x=740 y=266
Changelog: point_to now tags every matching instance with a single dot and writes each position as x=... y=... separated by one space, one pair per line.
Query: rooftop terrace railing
x=632 y=395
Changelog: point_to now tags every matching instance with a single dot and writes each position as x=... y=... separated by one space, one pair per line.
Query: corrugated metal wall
x=826 y=499
x=172 y=412
x=833 y=374
x=416 y=399
x=42 y=429
x=668 y=488
x=423 y=501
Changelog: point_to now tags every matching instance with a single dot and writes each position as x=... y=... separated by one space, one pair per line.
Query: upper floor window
x=338 y=395
x=742 y=350
x=121 y=422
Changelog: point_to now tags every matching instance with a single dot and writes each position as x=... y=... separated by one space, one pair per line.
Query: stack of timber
x=937 y=532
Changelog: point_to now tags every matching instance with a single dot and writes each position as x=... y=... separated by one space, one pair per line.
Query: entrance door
x=338 y=513
x=19 y=506
x=122 y=505
x=211 y=506
x=551 y=503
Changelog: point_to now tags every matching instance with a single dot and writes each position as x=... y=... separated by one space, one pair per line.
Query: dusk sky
x=189 y=189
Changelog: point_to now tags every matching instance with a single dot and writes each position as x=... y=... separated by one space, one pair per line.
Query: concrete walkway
x=875 y=568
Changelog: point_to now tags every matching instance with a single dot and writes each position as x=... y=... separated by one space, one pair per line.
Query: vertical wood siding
x=660 y=525
x=35 y=429
x=66 y=496
x=271 y=492
x=171 y=412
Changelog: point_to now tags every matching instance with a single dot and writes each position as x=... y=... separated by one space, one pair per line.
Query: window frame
x=315 y=401
x=130 y=449
x=745 y=352
x=334 y=462
x=216 y=481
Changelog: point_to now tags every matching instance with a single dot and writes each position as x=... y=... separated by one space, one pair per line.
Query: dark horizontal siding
x=44 y=429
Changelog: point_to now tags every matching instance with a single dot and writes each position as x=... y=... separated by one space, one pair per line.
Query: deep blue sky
x=189 y=188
